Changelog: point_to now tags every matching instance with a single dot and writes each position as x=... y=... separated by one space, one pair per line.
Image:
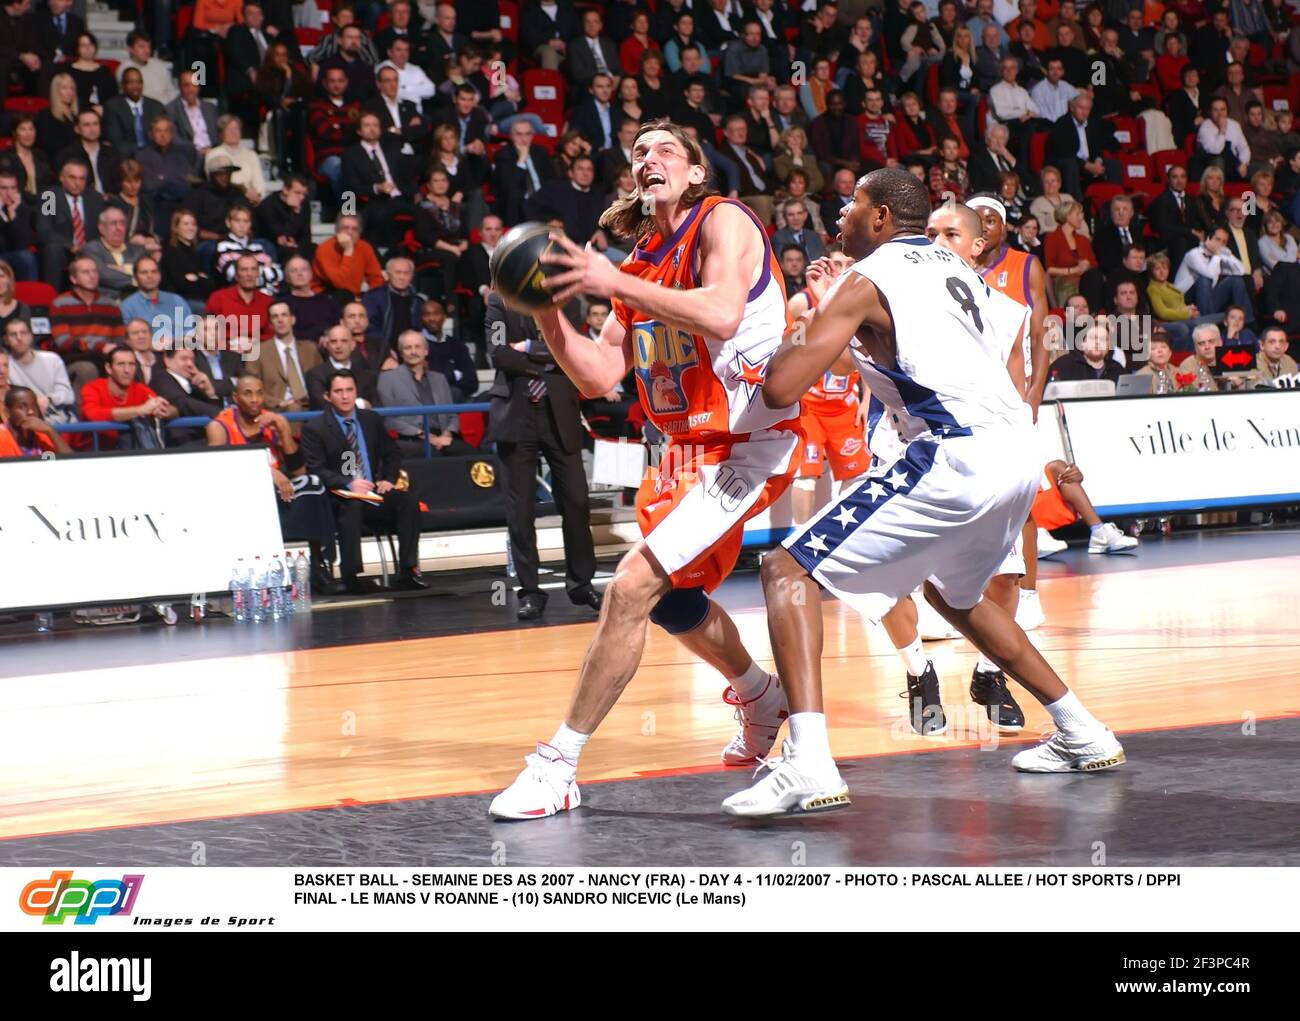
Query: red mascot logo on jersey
x=663 y=356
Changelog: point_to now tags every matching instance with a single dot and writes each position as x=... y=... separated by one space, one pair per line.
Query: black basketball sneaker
x=989 y=689
x=925 y=711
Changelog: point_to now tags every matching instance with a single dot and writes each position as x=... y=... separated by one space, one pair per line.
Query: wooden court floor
x=1145 y=649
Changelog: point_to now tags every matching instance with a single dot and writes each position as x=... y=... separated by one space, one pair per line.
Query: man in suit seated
x=411 y=384
x=518 y=170
x=1076 y=145
x=102 y=157
x=57 y=26
x=194 y=119
x=341 y=353
x=401 y=118
x=349 y=449
x=597 y=117
x=1110 y=240
x=592 y=52
x=127 y=116
x=797 y=233
x=377 y=172
x=535 y=414
x=473 y=274
x=176 y=378
x=284 y=363
x=113 y=255
x=73 y=222
x=576 y=203
x=1172 y=217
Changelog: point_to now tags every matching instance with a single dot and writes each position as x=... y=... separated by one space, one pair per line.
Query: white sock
x=751 y=683
x=913 y=657
x=568 y=742
x=1072 y=719
x=986 y=665
x=809 y=741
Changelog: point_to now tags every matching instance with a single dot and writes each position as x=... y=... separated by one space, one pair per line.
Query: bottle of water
x=275 y=588
x=302 y=583
x=288 y=590
x=239 y=592
x=1204 y=381
x=1162 y=383
x=257 y=592
x=510 y=561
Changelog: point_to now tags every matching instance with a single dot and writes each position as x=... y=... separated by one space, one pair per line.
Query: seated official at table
x=350 y=449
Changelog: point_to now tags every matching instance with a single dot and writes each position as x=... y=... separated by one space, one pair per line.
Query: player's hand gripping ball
x=517 y=272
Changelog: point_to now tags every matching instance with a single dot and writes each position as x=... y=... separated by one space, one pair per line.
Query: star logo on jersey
x=897 y=479
x=750 y=374
x=846 y=517
x=876 y=491
x=817 y=544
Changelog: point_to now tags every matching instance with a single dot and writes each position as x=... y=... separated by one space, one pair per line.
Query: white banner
x=122 y=898
x=121 y=528
x=1187 y=452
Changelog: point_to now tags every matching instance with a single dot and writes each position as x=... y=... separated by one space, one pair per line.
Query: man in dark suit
x=1208 y=47
x=990 y=160
x=545 y=38
x=474 y=274
x=443 y=42
x=841 y=196
x=101 y=157
x=127 y=116
x=619 y=155
x=1172 y=217
x=381 y=177
x=1112 y=238
x=835 y=137
x=518 y=170
x=74 y=221
x=349 y=449
x=341 y=353
x=468 y=118
x=717 y=22
x=403 y=24
x=596 y=116
x=17 y=228
x=217 y=361
x=756 y=187
x=1076 y=144
x=178 y=112
x=591 y=53
x=56 y=26
x=400 y=118
x=176 y=377
x=245 y=47
x=19 y=49
x=535 y=414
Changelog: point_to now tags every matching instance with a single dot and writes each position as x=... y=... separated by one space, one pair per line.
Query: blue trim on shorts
x=923 y=403
x=814 y=543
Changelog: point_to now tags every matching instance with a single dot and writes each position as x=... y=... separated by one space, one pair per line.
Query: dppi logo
x=61 y=896
x=662 y=356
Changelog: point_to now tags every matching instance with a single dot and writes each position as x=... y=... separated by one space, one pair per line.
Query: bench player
x=698 y=311
x=944 y=513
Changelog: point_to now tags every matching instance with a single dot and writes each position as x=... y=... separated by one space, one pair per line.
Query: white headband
x=986 y=203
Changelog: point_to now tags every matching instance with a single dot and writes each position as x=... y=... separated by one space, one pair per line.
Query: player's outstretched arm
x=593 y=365
x=1040 y=357
x=731 y=258
x=808 y=352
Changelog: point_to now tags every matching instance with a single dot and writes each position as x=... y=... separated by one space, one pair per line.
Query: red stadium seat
x=307 y=37
x=1130 y=132
x=509 y=19
x=112 y=65
x=1236 y=189
x=1135 y=168
x=26 y=104
x=932 y=84
x=6 y=142
x=1037 y=151
x=1279 y=97
x=544 y=94
x=1164 y=159
x=33 y=293
x=1099 y=194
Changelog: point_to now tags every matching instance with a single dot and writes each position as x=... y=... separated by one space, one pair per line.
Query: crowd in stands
x=1145 y=152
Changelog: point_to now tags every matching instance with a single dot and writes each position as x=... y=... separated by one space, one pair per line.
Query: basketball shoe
x=546 y=786
x=925 y=711
x=1107 y=538
x=760 y=719
x=1049 y=545
x=788 y=788
x=989 y=689
x=1061 y=754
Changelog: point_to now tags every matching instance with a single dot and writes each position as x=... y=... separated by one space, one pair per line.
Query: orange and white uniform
x=831 y=431
x=729 y=455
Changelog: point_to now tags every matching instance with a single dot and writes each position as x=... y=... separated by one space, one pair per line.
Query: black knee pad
x=681 y=610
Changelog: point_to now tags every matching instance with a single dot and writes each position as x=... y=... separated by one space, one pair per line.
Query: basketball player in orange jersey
x=698 y=309
x=831 y=418
x=1020 y=276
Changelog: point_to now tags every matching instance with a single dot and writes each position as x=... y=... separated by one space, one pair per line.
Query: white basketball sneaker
x=1048 y=545
x=1061 y=754
x=787 y=788
x=546 y=786
x=760 y=719
x=930 y=623
x=1029 y=612
x=1109 y=539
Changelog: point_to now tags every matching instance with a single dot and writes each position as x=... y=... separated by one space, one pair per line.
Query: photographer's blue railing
x=424 y=411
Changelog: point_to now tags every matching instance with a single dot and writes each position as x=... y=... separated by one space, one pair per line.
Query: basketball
x=516 y=272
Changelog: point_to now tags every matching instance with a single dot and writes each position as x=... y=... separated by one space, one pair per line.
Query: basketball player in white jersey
x=921 y=329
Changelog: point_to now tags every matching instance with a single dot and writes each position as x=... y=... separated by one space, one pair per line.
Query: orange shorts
x=832 y=435
x=693 y=506
x=1050 y=509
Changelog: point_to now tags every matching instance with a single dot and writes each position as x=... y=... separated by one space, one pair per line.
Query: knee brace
x=681 y=610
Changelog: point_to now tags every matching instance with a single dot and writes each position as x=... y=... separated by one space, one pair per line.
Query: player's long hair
x=627 y=217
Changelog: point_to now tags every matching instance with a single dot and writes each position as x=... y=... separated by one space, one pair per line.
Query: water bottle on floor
x=239 y=592
x=275 y=588
x=257 y=611
x=302 y=583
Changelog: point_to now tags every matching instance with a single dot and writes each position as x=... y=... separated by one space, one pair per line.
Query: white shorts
x=945 y=512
